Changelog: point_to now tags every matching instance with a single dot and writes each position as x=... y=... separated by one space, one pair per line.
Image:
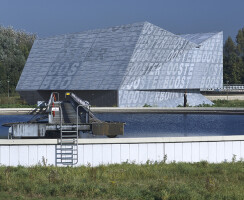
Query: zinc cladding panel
x=198 y=38
x=169 y=98
x=74 y=61
x=162 y=60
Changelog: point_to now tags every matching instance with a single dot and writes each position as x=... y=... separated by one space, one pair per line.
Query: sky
x=54 y=17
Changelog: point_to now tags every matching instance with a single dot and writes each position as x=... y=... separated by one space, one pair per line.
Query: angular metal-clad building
x=126 y=66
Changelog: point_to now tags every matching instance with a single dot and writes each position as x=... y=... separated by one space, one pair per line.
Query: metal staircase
x=67 y=152
x=64 y=121
x=64 y=117
x=67 y=148
x=67 y=118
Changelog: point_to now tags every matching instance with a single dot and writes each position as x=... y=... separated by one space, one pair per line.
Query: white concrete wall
x=135 y=150
x=26 y=155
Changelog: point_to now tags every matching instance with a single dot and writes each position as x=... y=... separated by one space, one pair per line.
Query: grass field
x=223 y=103
x=230 y=103
x=127 y=181
x=13 y=101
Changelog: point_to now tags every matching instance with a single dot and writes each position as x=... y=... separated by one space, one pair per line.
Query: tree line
x=14 y=50
x=233 y=63
x=16 y=45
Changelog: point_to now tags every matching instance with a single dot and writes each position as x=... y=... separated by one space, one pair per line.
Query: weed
x=53 y=176
x=234 y=158
x=211 y=184
x=92 y=172
x=44 y=161
x=165 y=158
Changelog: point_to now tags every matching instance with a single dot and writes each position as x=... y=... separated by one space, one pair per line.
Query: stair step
x=69 y=131
x=70 y=156
x=64 y=149
x=65 y=153
x=65 y=136
x=68 y=143
x=69 y=150
x=66 y=158
x=65 y=163
x=73 y=158
x=68 y=140
x=69 y=146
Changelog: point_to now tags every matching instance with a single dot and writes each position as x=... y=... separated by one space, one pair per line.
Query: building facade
x=126 y=66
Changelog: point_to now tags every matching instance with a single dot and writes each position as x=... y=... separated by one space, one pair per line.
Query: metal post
x=77 y=121
x=8 y=88
x=227 y=89
x=0 y=86
x=61 y=124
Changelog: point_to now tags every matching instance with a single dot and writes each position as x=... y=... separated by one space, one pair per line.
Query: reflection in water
x=178 y=125
x=161 y=125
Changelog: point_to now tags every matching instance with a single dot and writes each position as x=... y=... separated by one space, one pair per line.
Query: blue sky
x=53 y=17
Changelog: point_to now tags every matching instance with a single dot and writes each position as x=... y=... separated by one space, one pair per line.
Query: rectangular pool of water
x=159 y=125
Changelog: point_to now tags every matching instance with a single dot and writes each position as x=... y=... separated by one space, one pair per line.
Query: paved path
x=212 y=97
x=178 y=110
x=15 y=111
x=125 y=140
x=182 y=110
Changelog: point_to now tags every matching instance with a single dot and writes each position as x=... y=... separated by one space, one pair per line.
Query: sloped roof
x=101 y=59
x=198 y=38
x=94 y=59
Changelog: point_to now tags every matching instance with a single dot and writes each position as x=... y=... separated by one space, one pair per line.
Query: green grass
x=230 y=103
x=225 y=103
x=127 y=181
x=222 y=103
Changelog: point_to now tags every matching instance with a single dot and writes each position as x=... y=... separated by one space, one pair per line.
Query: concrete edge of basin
x=125 y=140
x=178 y=110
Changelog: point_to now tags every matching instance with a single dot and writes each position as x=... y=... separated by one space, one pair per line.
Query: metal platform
x=65 y=120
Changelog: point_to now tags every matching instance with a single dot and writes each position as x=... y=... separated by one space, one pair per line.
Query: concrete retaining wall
x=138 y=150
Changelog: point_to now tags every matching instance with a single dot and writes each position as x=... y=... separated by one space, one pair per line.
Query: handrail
x=86 y=106
x=51 y=100
x=80 y=101
x=77 y=119
x=61 y=124
x=77 y=130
